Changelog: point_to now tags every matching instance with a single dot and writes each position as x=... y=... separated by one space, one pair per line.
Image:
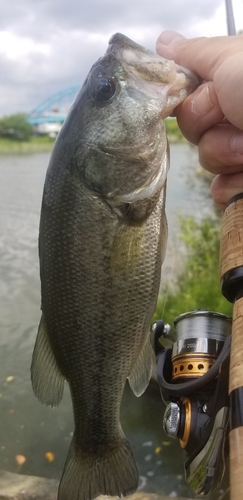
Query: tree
x=15 y=127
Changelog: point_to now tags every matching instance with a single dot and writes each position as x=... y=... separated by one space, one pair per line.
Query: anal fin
x=47 y=380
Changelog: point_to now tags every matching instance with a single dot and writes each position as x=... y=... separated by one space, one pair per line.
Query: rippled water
x=28 y=428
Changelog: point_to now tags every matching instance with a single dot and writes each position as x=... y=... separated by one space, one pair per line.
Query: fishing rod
x=200 y=368
x=230 y=18
x=231 y=277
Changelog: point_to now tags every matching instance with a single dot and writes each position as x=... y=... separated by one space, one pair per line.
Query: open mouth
x=156 y=76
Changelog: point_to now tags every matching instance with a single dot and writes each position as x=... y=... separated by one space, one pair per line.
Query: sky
x=49 y=45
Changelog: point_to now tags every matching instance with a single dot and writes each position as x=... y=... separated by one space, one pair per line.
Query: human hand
x=212 y=117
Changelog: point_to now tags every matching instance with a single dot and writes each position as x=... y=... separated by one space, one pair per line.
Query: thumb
x=166 y=44
x=202 y=55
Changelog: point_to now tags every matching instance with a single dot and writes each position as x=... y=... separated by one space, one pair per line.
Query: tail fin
x=87 y=476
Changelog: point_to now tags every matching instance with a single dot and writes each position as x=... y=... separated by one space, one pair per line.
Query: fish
x=102 y=241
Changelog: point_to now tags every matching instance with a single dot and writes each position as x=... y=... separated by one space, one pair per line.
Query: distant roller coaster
x=55 y=108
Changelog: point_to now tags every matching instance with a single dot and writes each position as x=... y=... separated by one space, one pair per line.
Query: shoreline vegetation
x=173 y=132
x=38 y=144
x=33 y=145
x=197 y=285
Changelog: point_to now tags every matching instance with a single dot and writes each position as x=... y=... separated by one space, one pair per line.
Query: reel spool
x=199 y=338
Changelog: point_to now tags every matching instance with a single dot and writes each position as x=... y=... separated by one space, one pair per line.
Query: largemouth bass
x=102 y=241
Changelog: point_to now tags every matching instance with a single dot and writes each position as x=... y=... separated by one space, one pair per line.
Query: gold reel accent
x=191 y=365
x=188 y=409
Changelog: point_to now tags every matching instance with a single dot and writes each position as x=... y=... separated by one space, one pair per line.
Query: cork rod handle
x=231 y=274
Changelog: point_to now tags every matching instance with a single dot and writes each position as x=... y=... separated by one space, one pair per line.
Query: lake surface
x=27 y=427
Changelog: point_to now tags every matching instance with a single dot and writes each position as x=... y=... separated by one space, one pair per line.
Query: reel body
x=193 y=377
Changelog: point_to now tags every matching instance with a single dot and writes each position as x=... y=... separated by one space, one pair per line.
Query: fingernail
x=201 y=103
x=237 y=143
x=168 y=37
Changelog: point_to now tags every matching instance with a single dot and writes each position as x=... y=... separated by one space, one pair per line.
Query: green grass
x=34 y=145
x=173 y=132
x=198 y=285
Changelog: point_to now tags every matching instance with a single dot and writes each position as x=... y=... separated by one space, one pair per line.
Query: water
x=28 y=428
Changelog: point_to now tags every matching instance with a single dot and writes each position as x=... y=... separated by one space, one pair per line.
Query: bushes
x=173 y=132
x=198 y=284
x=15 y=127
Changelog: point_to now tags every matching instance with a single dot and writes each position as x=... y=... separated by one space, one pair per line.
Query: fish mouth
x=153 y=75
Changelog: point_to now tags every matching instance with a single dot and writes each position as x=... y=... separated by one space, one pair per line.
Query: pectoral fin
x=47 y=380
x=126 y=249
x=142 y=370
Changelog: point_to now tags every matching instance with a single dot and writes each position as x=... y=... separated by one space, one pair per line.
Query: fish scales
x=78 y=298
x=102 y=242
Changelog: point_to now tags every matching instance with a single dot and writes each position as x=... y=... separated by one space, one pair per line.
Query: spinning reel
x=193 y=374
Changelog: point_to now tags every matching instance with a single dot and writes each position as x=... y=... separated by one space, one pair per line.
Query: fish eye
x=104 y=89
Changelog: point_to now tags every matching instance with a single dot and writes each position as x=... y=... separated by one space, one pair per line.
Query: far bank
x=33 y=145
x=45 y=144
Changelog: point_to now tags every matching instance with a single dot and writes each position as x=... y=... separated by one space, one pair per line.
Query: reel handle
x=231 y=277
